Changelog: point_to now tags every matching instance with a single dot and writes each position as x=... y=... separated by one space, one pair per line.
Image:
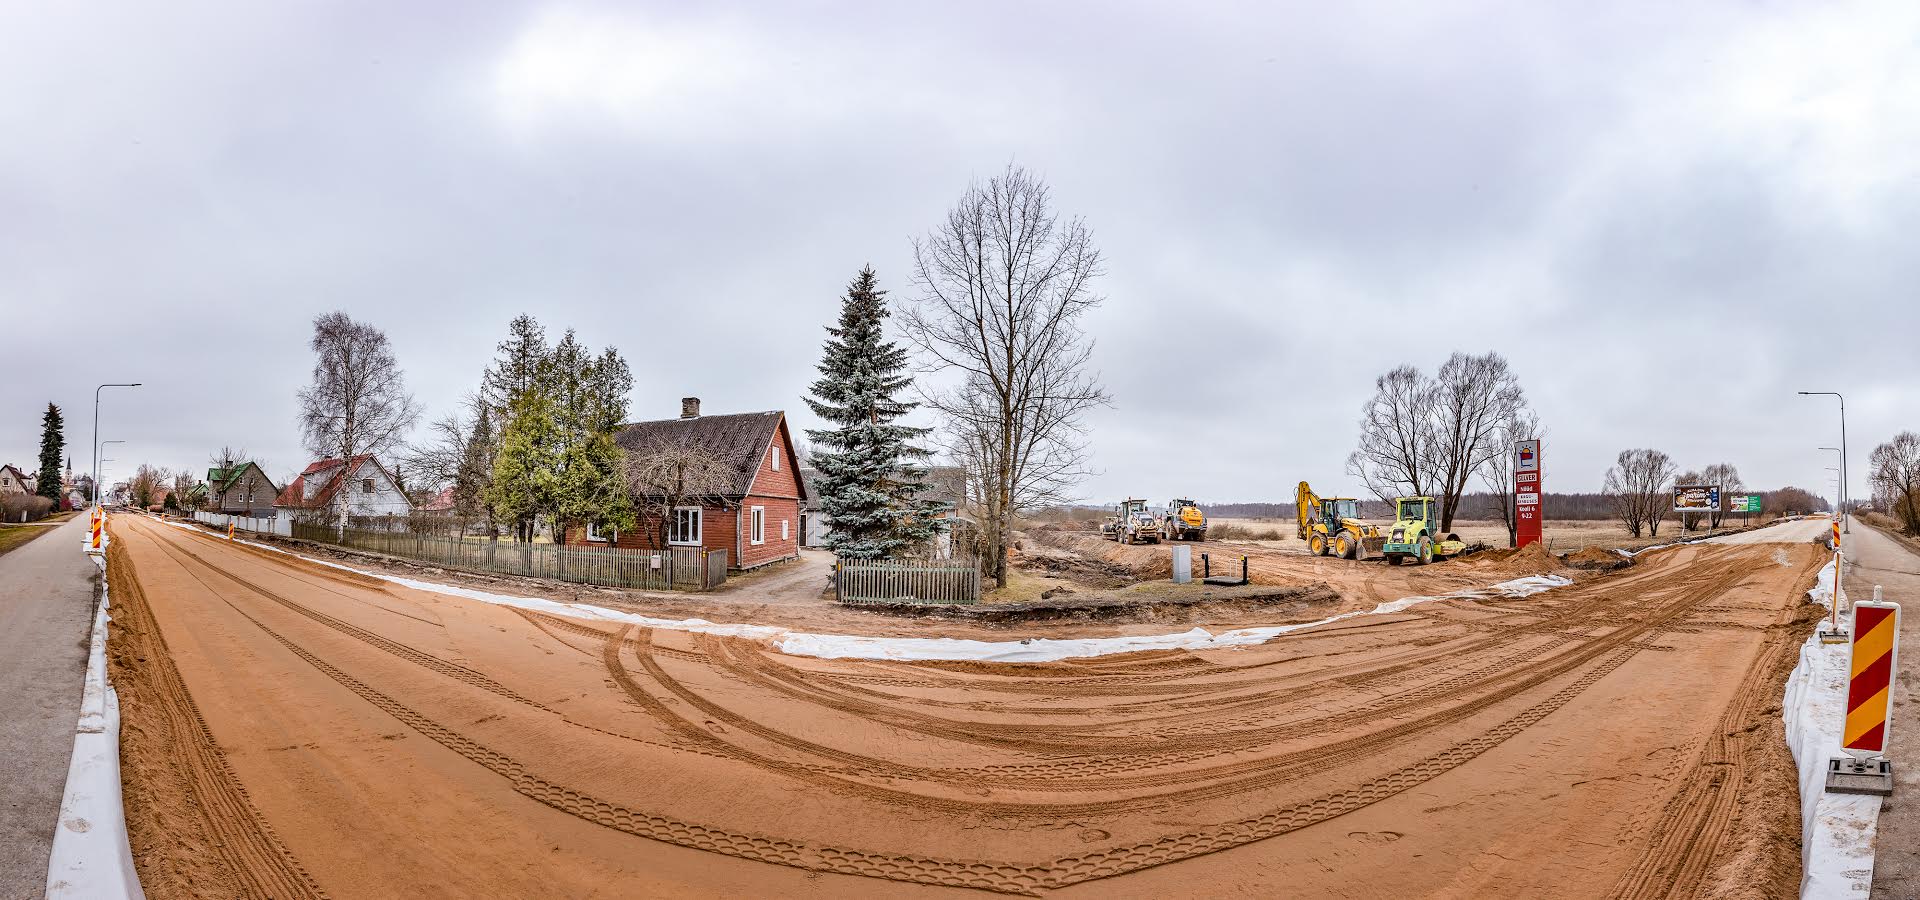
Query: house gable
x=776 y=475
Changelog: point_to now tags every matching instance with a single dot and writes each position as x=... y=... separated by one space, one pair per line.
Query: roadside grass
x=1887 y=526
x=12 y=536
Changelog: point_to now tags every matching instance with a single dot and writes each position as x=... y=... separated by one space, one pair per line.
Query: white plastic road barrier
x=90 y=857
x=847 y=646
x=1836 y=830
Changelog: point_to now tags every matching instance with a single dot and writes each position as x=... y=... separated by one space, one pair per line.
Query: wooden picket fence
x=936 y=582
x=676 y=569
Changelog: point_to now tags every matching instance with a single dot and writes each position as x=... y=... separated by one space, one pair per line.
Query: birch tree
x=1003 y=286
x=357 y=403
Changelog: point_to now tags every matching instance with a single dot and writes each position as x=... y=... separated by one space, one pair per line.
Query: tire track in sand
x=254 y=855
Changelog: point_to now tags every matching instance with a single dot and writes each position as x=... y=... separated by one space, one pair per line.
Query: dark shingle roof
x=739 y=440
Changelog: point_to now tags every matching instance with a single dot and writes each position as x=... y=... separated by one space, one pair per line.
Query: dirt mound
x=1598 y=559
x=1077 y=552
x=1533 y=559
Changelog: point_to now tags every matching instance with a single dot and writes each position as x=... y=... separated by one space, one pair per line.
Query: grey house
x=240 y=489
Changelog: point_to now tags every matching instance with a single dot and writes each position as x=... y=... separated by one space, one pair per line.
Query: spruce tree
x=869 y=466
x=53 y=444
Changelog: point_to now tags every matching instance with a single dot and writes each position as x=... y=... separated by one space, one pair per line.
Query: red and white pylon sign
x=1875 y=657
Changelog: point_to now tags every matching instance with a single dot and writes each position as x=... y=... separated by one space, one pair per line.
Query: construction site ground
x=292 y=730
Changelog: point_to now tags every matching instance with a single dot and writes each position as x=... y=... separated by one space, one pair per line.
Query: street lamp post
x=101 y=449
x=1836 y=493
x=96 y=435
x=1846 y=524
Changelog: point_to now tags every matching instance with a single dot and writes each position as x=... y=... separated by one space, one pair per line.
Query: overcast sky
x=1670 y=217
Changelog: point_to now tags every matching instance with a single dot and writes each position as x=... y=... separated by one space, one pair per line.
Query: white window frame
x=776 y=458
x=699 y=525
x=593 y=534
x=757 y=525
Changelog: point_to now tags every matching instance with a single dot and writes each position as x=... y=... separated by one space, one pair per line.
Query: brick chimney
x=689 y=407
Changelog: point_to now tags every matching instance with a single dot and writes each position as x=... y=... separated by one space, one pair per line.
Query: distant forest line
x=1483 y=505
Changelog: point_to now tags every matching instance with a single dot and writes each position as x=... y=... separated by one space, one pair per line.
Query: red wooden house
x=756 y=519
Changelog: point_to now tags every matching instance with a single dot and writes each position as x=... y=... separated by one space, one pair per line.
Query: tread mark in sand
x=264 y=866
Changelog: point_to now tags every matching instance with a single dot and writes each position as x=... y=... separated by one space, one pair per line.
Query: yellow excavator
x=1331 y=525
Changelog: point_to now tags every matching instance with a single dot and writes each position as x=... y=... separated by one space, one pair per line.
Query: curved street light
x=96 y=435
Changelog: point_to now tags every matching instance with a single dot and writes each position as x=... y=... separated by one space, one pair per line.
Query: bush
x=24 y=507
x=1228 y=531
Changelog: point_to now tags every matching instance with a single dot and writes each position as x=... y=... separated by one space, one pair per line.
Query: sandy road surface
x=292 y=730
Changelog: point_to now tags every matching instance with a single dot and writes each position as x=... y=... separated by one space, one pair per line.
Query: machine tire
x=1394 y=559
x=1317 y=545
x=1426 y=549
x=1353 y=548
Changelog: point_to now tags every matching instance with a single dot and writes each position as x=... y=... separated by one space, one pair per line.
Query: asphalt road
x=1873 y=558
x=47 y=587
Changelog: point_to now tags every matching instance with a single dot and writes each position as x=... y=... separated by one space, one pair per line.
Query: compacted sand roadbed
x=297 y=731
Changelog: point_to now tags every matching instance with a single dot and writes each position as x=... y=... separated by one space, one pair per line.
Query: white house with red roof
x=359 y=487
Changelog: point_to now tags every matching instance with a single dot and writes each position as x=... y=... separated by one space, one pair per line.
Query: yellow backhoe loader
x=1331 y=525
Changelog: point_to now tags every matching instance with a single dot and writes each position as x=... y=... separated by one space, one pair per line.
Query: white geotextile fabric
x=90 y=857
x=1836 y=830
x=848 y=646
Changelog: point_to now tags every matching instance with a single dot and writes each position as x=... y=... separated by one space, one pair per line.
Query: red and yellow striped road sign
x=1836 y=534
x=1876 y=631
x=99 y=527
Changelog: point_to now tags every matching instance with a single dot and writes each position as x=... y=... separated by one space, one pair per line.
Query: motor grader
x=1137 y=525
x=1331 y=525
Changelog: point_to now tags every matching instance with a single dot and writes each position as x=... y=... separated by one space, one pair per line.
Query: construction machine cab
x=1335 y=509
x=1420 y=509
x=1416 y=533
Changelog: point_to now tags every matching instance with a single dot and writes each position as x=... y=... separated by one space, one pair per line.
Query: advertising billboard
x=1744 y=503
x=1696 y=498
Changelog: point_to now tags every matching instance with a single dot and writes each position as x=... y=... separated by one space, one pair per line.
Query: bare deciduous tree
x=1428 y=437
x=1894 y=473
x=1395 y=457
x=1637 y=484
x=1003 y=284
x=665 y=476
x=189 y=492
x=1728 y=478
x=1521 y=424
x=434 y=461
x=146 y=482
x=358 y=401
x=1690 y=521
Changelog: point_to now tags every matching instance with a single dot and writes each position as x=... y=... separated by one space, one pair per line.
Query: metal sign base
x=1846 y=775
x=1834 y=637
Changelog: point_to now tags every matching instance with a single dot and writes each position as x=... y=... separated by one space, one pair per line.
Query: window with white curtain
x=684 y=530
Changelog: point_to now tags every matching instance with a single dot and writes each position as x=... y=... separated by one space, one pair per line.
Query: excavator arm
x=1306 y=506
